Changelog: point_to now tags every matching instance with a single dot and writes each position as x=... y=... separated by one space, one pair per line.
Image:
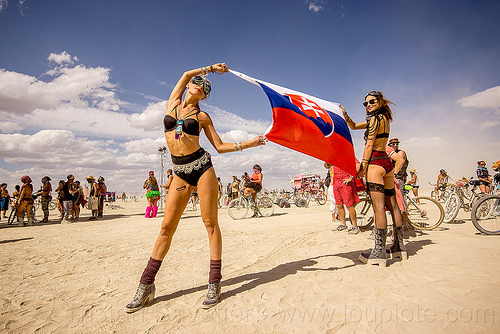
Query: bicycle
x=424 y=213
x=238 y=208
x=485 y=214
x=441 y=194
x=13 y=214
x=461 y=196
x=38 y=203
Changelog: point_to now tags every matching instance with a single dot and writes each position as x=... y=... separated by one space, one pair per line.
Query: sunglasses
x=200 y=81
x=393 y=144
x=372 y=101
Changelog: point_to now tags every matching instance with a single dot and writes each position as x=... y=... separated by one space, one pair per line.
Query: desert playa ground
x=289 y=273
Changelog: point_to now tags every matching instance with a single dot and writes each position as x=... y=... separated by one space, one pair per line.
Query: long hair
x=384 y=103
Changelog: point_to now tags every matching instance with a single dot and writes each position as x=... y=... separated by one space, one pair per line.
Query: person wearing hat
x=153 y=194
x=101 y=191
x=93 y=203
x=235 y=187
x=442 y=182
x=67 y=198
x=25 y=201
x=401 y=175
x=413 y=181
x=45 y=191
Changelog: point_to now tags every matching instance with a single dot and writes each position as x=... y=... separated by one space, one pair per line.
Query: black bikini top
x=190 y=126
x=377 y=115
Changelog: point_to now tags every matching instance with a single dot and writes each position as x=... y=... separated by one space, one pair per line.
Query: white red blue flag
x=309 y=125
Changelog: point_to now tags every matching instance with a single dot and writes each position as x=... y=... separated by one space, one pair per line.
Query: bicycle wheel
x=265 y=206
x=52 y=205
x=238 y=208
x=485 y=214
x=321 y=198
x=12 y=216
x=451 y=207
x=364 y=213
x=424 y=213
x=434 y=195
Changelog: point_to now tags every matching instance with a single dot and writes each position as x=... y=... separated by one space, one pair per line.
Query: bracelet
x=211 y=69
x=240 y=148
x=235 y=147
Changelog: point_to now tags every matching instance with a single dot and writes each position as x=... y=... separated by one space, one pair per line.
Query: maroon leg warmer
x=215 y=271
x=148 y=276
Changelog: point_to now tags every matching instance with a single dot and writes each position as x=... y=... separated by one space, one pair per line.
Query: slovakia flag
x=309 y=125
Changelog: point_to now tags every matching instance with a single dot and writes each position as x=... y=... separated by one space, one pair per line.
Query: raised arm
x=176 y=95
x=350 y=122
x=221 y=147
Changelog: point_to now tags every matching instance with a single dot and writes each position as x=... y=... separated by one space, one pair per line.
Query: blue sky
x=83 y=84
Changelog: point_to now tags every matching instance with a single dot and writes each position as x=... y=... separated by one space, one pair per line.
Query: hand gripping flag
x=308 y=124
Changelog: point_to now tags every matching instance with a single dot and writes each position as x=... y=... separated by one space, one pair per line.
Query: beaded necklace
x=180 y=121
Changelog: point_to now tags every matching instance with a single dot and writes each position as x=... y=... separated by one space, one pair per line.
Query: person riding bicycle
x=442 y=181
x=483 y=176
x=255 y=183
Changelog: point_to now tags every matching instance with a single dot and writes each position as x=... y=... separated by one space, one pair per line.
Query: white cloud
x=87 y=121
x=74 y=123
x=8 y=127
x=316 y=5
x=3 y=4
x=489 y=98
x=151 y=118
x=488 y=124
x=62 y=58
x=80 y=86
x=224 y=120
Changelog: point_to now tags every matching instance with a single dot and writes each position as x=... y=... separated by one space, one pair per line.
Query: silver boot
x=212 y=297
x=144 y=295
x=398 y=248
x=378 y=254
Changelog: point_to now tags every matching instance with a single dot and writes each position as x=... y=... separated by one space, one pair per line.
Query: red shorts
x=380 y=158
x=345 y=194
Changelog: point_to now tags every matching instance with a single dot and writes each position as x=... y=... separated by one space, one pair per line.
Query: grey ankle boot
x=213 y=295
x=398 y=248
x=145 y=294
x=378 y=254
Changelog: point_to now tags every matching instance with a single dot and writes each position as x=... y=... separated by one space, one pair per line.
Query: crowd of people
x=70 y=196
x=383 y=167
x=486 y=182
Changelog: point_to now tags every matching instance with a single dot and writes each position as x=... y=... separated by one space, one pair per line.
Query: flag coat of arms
x=308 y=124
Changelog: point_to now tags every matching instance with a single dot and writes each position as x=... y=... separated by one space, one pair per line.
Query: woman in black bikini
x=379 y=172
x=192 y=168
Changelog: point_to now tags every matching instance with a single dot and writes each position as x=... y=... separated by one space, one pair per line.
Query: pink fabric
x=155 y=211
x=148 y=212
x=399 y=197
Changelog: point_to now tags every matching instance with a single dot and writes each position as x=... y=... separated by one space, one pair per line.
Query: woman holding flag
x=192 y=168
x=379 y=172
